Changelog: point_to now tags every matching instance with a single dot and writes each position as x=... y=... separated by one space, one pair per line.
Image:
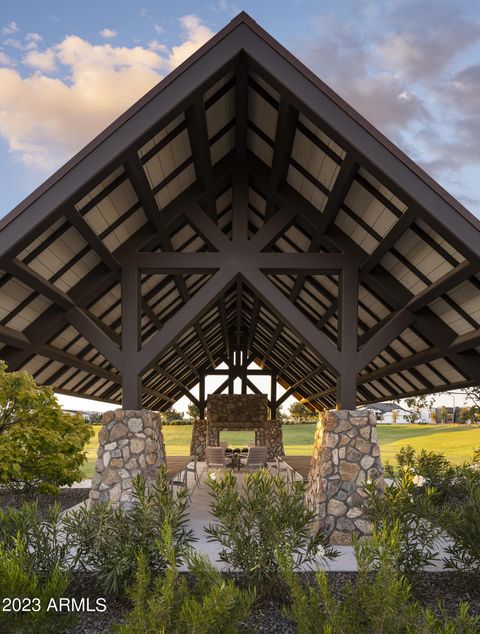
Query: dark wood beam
x=289 y=314
x=185 y=317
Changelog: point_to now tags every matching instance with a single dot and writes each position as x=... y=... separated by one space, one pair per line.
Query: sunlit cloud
x=108 y=34
x=10 y=28
x=45 y=119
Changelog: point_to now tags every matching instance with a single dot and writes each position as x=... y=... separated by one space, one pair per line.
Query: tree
x=94 y=418
x=193 y=411
x=40 y=445
x=173 y=414
x=466 y=414
x=473 y=394
x=299 y=412
x=416 y=404
x=443 y=414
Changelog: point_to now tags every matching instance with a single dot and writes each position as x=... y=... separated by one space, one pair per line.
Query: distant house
x=447 y=414
x=389 y=412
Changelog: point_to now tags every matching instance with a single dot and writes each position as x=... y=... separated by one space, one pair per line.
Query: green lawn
x=455 y=441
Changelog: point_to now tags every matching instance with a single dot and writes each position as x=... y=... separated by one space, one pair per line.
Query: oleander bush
x=41 y=447
x=462 y=524
x=407 y=506
x=108 y=540
x=430 y=498
x=378 y=602
x=46 y=542
x=31 y=594
x=257 y=520
x=210 y=604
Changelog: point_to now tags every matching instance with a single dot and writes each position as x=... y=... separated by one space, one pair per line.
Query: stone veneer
x=242 y=411
x=273 y=439
x=345 y=454
x=130 y=443
x=237 y=411
x=199 y=439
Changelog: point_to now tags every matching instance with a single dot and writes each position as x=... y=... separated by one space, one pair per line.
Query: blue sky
x=67 y=69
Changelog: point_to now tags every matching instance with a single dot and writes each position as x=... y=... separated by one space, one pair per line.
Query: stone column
x=274 y=439
x=345 y=454
x=130 y=443
x=260 y=437
x=213 y=436
x=199 y=439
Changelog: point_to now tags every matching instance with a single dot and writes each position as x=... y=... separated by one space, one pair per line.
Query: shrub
x=407 y=505
x=462 y=523
x=213 y=605
x=108 y=540
x=18 y=579
x=431 y=466
x=378 y=602
x=40 y=446
x=254 y=523
x=45 y=539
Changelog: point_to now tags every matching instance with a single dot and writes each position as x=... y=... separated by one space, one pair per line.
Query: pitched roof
x=257 y=197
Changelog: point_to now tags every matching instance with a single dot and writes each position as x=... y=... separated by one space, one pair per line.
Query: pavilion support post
x=347 y=381
x=273 y=396
x=345 y=454
x=131 y=380
x=130 y=444
x=201 y=397
x=347 y=389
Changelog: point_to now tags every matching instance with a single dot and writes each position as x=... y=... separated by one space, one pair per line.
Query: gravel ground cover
x=66 y=498
x=267 y=617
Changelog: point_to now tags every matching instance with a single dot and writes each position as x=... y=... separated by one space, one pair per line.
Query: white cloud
x=10 y=28
x=108 y=34
x=41 y=60
x=32 y=40
x=13 y=43
x=46 y=119
x=5 y=60
x=197 y=34
x=159 y=30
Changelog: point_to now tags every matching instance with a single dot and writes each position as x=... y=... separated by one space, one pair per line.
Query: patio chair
x=180 y=480
x=255 y=459
x=283 y=467
x=192 y=468
x=215 y=457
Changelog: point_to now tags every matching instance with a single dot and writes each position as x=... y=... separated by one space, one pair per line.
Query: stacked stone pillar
x=273 y=439
x=130 y=443
x=199 y=439
x=345 y=455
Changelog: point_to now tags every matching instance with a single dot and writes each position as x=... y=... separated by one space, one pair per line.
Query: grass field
x=455 y=441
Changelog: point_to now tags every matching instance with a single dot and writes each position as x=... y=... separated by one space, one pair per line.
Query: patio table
x=299 y=464
x=176 y=464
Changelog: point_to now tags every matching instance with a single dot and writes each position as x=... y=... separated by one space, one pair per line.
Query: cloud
x=196 y=33
x=5 y=60
x=10 y=28
x=407 y=67
x=41 y=60
x=108 y=34
x=46 y=119
x=32 y=40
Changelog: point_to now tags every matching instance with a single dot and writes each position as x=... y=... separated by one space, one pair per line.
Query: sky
x=68 y=69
